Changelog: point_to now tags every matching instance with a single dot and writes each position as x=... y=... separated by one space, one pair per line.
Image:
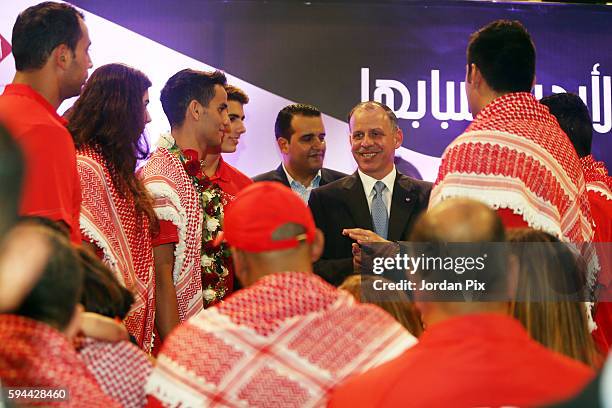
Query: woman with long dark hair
x=117 y=217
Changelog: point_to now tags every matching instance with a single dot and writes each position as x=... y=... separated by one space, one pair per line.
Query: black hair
x=282 y=126
x=574 y=118
x=185 y=86
x=11 y=176
x=505 y=55
x=40 y=29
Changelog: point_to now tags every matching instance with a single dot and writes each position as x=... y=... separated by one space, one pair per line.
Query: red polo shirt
x=51 y=188
x=230 y=179
x=479 y=360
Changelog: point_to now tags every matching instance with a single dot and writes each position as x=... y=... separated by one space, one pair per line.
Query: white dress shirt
x=368 y=187
x=300 y=189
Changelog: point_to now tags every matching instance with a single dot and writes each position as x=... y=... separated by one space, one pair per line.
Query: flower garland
x=216 y=257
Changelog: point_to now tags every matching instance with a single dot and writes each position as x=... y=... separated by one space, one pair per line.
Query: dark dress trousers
x=343 y=204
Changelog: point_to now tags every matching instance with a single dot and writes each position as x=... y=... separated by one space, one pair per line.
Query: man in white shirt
x=376 y=202
x=300 y=135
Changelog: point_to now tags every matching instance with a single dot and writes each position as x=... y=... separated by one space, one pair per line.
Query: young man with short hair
x=191 y=272
x=50 y=44
x=227 y=177
x=514 y=156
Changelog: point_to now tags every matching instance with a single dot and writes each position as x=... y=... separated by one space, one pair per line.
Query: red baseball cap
x=258 y=211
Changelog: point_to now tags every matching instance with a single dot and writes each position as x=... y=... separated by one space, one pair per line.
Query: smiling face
x=215 y=119
x=236 y=116
x=373 y=141
x=305 y=150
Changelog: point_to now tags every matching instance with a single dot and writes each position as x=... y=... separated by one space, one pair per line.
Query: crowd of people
x=182 y=282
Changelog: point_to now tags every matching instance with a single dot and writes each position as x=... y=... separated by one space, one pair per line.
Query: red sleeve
x=510 y=219
x=168 y=234
x=51 y=188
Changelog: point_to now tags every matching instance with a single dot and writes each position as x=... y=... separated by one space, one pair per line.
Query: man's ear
x=399 y=137
x=62 y=56
x=74 y=326
x=476 y=76
x=195 y=110
x=283 y=145
x=317 y=246
x=240 y=267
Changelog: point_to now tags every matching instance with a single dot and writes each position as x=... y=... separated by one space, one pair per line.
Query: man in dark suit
x=300 y=135
x=376 y=203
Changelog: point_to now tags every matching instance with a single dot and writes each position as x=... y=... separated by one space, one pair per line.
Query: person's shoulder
x=346 y=181
x=271 y=175
x=373 y=386
x=411 y=182
x=332 y=175
x=239 y=175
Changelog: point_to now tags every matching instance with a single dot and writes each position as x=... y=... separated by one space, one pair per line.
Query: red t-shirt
x=51 y=187
x=601 y=210
x=479 y=360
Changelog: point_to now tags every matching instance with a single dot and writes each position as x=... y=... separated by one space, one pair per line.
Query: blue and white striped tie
x=380 y=218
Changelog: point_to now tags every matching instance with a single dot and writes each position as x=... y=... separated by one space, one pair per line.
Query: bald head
x=459 y=220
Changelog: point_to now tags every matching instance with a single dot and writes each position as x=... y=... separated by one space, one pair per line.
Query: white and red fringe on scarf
x=33 y=354
x=514 y=155
x=286 y=341
x=596 y=176
x=176 y=200
x=112 y=223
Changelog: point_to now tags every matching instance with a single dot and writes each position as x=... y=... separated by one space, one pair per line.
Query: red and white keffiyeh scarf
x=514 y=155
x=120 y=368
x=112 y=223
x=33 y=354
x=596 y=176
x=283 y=342
x=176 y=200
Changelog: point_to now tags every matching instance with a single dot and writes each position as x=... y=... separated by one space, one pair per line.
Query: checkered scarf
x=514 y=155
x=176 y=200
x=283 y=342
x=111 y=221
x=33 y=354
x=120 y=368
x=596 y=175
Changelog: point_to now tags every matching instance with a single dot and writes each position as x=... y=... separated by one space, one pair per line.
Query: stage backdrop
x=409 y=55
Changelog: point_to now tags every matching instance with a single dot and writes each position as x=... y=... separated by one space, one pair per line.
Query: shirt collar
x=292 y=180
x=477 y=325
x=368 y=181
x=221 y=173
x=28 y=92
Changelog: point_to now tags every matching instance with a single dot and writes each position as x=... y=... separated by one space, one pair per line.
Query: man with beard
x=50 y=46
x=300 y=135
